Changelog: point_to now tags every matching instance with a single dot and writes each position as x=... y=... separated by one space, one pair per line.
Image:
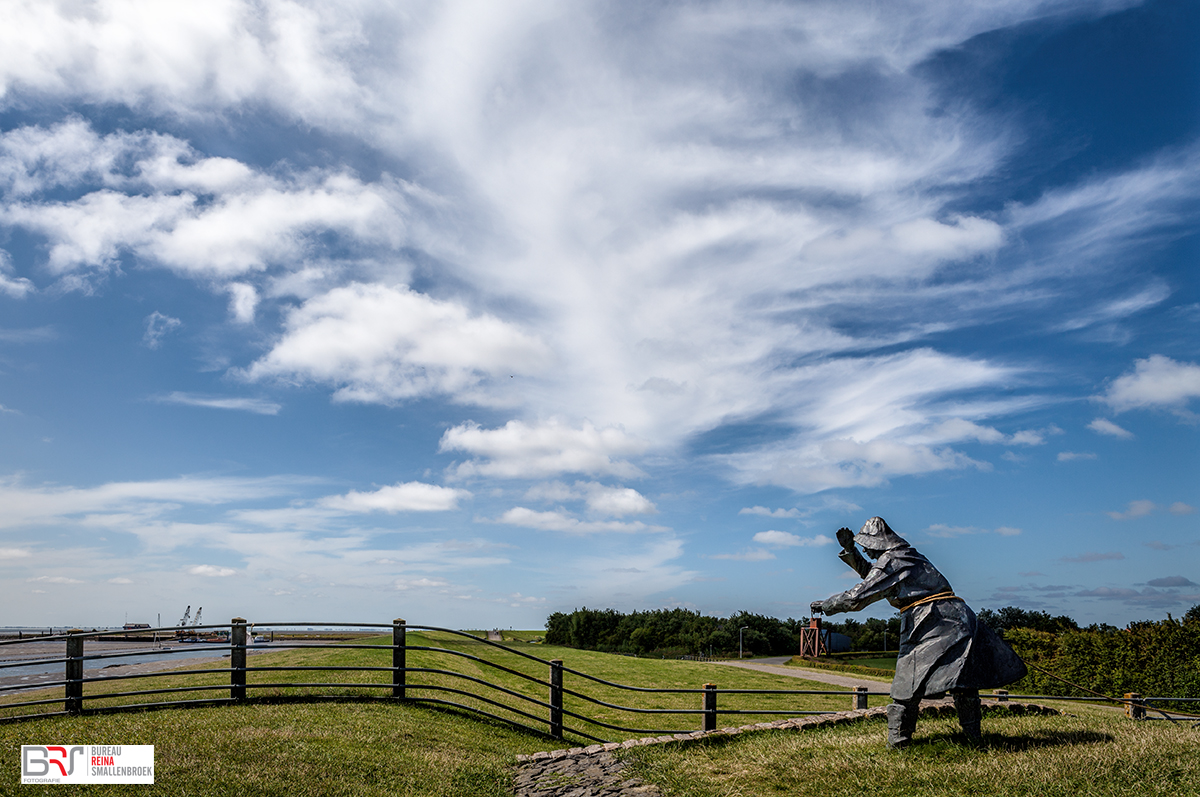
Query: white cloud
x=53 y=580
x=561 y=521
x=213 y=218
x=617 y=501
x=243 y=299
x=775 y=513
x=783 y=539
x=258 y=406
x=14 y=553
x=406 y=497
x=1071 y=456
x=518 y=450
x=405 y=584
x=379 y=343
x=1107 y=427
x=15 y=287
x=211 y=571
x=1180 y=508
x=158 y=326
x=120 y=580
x=601 y=499
x=21 y=504
x=1156 y=381
x=1007 y=531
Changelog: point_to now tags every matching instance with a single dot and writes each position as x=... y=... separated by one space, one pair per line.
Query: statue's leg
x=902 y=721
x=969 y=710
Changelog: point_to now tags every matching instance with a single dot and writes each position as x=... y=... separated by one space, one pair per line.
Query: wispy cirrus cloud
x=244 y=404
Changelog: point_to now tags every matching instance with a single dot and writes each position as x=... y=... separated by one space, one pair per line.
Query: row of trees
x=1153 y=658
x=672 y=631
x=679 y=632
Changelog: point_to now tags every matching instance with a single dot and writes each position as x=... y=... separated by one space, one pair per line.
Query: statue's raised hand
x=846 y=538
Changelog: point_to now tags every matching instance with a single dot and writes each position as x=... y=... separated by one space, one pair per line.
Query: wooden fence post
x=1135 y=708
x=237 y=658
x=74 y=675
x=1001 y=695
x=859 y=698
x=710 y=708
x=399 y=657
x=556 y=698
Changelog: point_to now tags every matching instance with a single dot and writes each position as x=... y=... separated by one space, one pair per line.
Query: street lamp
x=740 y=630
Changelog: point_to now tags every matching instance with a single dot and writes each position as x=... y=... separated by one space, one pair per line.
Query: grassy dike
x=354 y=748
x=1094 y=752
x=350 y=748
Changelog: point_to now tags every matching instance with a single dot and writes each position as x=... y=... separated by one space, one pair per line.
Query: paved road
x=775 y=665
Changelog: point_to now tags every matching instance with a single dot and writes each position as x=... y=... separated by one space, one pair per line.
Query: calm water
x=181 y=653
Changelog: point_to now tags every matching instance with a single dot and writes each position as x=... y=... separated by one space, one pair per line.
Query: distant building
x=836 y=643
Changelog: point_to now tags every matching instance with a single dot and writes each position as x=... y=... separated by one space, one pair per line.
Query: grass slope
x=1097 y=753
x=378 y=748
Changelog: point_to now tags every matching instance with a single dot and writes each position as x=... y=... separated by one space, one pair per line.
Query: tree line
x=677 y=632
x=1160 y=658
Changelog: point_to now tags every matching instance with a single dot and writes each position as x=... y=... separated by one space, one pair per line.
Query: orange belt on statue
x=941 y=596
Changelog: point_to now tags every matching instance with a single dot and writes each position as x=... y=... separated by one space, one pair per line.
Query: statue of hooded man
x=943 y=646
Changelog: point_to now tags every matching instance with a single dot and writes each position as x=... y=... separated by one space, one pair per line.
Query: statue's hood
x=877 y=535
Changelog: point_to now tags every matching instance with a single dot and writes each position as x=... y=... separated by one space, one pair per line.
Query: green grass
x=353 y=749
x=1096 y=753
x=378 y=748
x=879 y=663
x=856 y=668
x=672 y=674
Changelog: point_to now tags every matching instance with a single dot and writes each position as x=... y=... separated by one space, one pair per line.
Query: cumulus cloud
x=15 y=553
x=1071 y=456
x=617 y=501
x=775 y=513
x=381 y=343
x=151 y=195
x=1155 y=382
x=518 y=450
x=565 y=522
x=1180 y=508
x=255 y=405
x=783 y=539
x=405 y=497
x=1107 y=427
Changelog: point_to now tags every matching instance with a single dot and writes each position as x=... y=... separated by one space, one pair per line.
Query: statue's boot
x=902 y=721
x=969 y=713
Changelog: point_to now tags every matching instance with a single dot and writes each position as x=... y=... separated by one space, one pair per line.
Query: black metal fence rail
x=460 y=690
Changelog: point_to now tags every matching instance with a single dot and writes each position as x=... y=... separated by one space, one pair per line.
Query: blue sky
x=471 y=312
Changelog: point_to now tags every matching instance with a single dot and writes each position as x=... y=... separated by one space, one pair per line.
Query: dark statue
x=943 y=647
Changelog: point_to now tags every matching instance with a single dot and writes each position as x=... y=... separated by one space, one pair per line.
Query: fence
x=401 y=683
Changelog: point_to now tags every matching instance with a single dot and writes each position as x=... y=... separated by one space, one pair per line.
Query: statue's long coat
x=943 y=646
